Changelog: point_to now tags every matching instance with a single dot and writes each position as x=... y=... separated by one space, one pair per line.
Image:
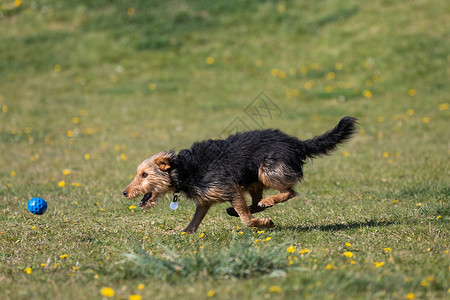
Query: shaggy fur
x=215 y=171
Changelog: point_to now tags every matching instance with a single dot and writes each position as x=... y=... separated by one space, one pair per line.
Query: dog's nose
x=125 y=193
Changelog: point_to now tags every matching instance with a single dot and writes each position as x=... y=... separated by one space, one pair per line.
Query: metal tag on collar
x=174 y=203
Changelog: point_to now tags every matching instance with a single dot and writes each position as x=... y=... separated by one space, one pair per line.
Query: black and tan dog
x=215 y=171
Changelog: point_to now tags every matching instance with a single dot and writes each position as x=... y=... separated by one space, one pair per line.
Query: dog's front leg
x=199 y=214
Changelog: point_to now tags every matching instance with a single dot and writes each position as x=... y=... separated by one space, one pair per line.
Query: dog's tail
x=326 y=143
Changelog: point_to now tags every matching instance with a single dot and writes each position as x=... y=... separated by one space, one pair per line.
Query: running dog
x=216 y=171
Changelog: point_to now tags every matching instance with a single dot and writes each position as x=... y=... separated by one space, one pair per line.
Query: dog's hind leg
x=284 y=195
x=256 y=192
x=240 y=206
x=199 y=214
x=280 y=177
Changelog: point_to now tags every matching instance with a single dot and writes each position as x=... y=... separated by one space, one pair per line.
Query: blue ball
x=37 y=206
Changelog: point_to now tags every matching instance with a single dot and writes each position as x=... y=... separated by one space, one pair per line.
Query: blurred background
x=97 y=86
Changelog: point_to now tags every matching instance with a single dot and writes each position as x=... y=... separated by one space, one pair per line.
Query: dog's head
x=152 y=179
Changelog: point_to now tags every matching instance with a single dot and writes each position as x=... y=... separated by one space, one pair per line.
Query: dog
x=216 y=171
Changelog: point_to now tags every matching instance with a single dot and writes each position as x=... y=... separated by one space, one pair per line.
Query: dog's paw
x=265 y=204
x=232 y=212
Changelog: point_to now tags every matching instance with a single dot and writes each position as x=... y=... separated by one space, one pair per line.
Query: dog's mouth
x=145 y=199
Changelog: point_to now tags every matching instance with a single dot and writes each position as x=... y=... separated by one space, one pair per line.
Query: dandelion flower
x=410 y=296
x=43 y=265
x=64 y=256
x=211 y=293
x=210 y=60
x=13 y=173
x=338 y=66
x=141 y=286
x=260 y=231
x=368 y=94
x=267 y=239
x=275 y=289
x=69 y=133
x=329 y=267
x=62 y=183
x=348 y=254
x=28 y=270
x=387 y=250
x=379 y=264
x=347 y=243
x=443 y=106
x=241 y=232
x=346 y=154
x=412 y=92
x=410 y=112
x=135 y=297
x=132 y=207
x=202 y=234
x=290 y=249
x=123 y=157
x=75 y=120
x=131 y=11
x=66 y=172
x=183 y=233
x=274 y=72
x=57 y=68
x=438 y=217
x=426 y=120
x=87 y=156
x=107 y=292
x=303 y=251
x=282 y=74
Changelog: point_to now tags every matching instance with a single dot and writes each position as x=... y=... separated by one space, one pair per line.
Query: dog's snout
x=125 y=193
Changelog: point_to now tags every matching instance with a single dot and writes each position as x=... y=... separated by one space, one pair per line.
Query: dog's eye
x=144 y=175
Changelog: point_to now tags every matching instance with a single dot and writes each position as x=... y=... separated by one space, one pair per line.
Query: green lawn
x=88 y=89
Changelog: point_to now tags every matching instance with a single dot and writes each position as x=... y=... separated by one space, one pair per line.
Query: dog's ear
x=163 y=163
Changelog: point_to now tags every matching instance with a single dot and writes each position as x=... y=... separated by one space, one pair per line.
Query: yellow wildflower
x=410 y=296
x=210 y=60
x=132 y=207
x=87 y=156
x=107 y=292
x=379 y=264
x=64 y=256
x=387 y=250
x=267 y=239
x=348 y=254
x=347 y=243
x=303 y=251
x=443 y=106
x=66 y=172
x=275 y=289
x=28 y=270
x=211 y=293
x=290 y=249
x=141 y=286
x=135 y=297
x=62 y=183
x=131 y=11
x=368 y=94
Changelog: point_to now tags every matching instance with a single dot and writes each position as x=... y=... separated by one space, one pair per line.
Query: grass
x=96 y=87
